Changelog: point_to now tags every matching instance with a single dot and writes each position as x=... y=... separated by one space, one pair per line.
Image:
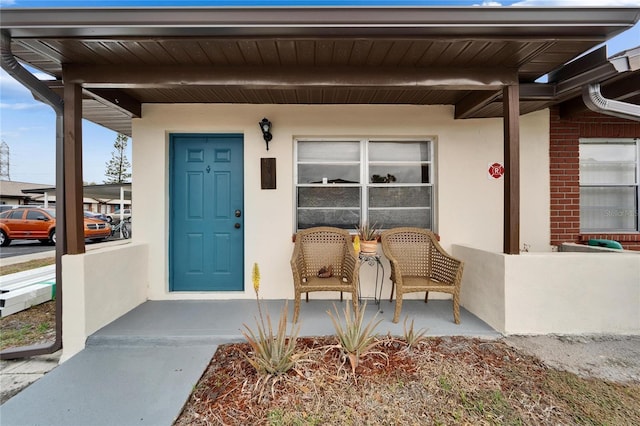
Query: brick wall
x=565 y=173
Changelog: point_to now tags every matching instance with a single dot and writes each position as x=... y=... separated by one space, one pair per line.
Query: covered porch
x=533 y=293
x=463 y=77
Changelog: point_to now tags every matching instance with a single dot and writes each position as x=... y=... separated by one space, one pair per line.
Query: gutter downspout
x=44 y=94
x=595 y=101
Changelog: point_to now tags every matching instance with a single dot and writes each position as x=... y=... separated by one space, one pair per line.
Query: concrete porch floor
x=215 y=322
x=141 y=368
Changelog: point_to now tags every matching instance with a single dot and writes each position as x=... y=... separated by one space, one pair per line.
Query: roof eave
x=269 y=21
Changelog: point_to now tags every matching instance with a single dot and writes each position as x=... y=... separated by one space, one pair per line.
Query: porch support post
x=511 y=108
x=72 y=158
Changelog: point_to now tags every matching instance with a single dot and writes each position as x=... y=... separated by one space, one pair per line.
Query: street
x=24 y=247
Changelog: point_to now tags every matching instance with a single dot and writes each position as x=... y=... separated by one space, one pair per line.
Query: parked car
x=100 y=216
x=40 y=224
x=115 y=216
x=5 y=207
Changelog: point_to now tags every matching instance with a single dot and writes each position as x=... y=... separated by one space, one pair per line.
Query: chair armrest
x=393 y=263
x=446 y=268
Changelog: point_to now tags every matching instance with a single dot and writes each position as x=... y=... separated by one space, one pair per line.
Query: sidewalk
x=15 y=375
x=13 y=260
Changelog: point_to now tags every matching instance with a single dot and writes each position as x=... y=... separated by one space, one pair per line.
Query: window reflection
x=318 y=173
x=411 y=173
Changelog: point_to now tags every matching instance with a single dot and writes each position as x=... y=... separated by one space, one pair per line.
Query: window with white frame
x=609 y=185
x=345 y=182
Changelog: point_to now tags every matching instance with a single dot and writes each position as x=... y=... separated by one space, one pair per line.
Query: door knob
x=238 y=213
x=237 y=226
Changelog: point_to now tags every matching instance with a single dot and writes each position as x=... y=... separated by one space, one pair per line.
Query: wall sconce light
x=265 y=126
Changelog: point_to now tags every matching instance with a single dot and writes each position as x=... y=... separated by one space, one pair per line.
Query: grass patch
x=34 y=325
x=29 y=327
x=595 y=402
x=24 y=266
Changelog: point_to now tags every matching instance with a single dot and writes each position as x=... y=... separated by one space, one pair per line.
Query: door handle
x=237 y=226
x=238 y=213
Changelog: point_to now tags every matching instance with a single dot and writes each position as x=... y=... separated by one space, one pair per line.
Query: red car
x=40 y=224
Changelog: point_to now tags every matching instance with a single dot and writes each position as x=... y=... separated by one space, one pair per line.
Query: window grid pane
x=328 y=151
x=393 y=218
x=329 y=196
x=610 y=208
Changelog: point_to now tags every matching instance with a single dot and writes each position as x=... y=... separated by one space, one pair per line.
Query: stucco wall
x=482 y=291
x=563 y=293
x=572 y=293
x=469 y=205
x=98 y=287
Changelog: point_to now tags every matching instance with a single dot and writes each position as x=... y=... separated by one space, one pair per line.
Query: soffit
x=302 y=43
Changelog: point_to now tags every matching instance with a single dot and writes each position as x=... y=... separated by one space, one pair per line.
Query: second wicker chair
x=419 y=263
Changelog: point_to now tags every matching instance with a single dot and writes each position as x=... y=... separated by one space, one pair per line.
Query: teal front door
x=206 y=225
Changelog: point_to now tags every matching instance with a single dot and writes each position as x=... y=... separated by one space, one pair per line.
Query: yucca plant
x=355 y=339
x=273 y=352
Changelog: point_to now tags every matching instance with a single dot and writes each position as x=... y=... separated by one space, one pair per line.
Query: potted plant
x=368 y=236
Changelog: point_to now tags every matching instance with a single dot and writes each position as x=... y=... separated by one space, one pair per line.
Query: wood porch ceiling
x=433 y=61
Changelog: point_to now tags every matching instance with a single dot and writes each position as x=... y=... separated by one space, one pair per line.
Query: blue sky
x=28 y=126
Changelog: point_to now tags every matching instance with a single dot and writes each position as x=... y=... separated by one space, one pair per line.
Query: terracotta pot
x=369 y=246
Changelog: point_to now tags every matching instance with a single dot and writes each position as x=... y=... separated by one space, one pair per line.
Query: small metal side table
x=373 y=259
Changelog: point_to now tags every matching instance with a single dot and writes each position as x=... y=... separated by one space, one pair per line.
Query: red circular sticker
x=496 y=170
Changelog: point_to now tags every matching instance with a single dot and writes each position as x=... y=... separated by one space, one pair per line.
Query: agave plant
x=355 y=339
x=411 y=337
x=273 y=351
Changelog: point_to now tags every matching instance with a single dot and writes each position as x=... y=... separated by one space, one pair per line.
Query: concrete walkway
x=141 y=368
x=17 y=374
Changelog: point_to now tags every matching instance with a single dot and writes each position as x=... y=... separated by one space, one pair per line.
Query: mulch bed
x=447 y=380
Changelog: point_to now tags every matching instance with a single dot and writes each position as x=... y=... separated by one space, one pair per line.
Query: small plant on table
x=368 y=237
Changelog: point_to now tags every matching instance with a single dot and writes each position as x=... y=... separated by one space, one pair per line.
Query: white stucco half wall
x=561 y=293
x=468 y=203
x=98 y=287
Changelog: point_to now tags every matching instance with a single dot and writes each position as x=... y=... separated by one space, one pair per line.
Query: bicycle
x=123 y=227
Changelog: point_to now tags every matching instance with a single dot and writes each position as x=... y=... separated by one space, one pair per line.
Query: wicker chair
x=418 y=263
x=320 y=247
